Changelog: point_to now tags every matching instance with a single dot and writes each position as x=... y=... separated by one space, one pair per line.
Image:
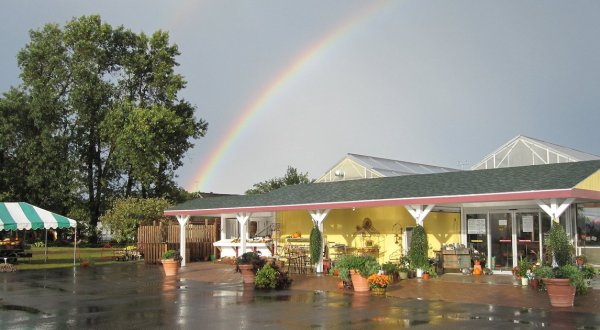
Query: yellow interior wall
x=591 y=183
x=340 y=225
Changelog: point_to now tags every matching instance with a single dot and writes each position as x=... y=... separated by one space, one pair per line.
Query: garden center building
x=502 y=210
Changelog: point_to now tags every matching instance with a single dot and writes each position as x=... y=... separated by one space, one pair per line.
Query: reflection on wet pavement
x=139 y=296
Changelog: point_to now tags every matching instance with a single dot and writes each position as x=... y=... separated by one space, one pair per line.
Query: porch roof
x=502 y=184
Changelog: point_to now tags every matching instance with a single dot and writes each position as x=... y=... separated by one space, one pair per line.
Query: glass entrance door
x=528 y=236
x=501 y=233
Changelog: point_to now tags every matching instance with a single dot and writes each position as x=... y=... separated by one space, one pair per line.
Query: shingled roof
x=402 y=190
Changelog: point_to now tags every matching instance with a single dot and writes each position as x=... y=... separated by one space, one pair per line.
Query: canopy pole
x=75 y=244
x=46 y=248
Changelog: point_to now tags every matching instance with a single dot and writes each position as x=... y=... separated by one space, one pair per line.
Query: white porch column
x=242 y=219
x=223 y=227
x=418 y=213
x=182 y=219
x=318 y=216
x=554 y=210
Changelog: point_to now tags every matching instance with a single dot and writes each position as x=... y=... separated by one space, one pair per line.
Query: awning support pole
x=75 y=245
x=318 y=216
x=418 y=213
x=242 y=218
x=182 y=239
x=46 y=248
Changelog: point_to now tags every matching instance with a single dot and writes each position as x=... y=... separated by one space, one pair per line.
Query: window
x=588 y=224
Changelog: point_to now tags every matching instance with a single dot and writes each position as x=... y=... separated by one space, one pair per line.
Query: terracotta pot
x=340 y=284
x=561 y=293
x=359 y=282
x=425 y=276
x=535 y=283
x=247 y=273
x=170 y=266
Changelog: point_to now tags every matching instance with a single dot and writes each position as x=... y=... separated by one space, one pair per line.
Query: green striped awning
x=18 y=216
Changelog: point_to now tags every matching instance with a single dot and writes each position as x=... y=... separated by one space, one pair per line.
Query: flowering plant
x=378 y=281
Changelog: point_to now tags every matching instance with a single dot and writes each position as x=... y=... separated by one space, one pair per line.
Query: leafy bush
x=588 y=271
x=265 y=278
x=390 y=268
x=171 y=254
x=365 y=265
x=271 y=277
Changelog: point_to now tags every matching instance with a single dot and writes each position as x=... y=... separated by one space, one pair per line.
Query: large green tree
x=97 y=116
x=291 y=177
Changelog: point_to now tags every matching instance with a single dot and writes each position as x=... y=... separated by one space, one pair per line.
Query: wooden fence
x=153 y=241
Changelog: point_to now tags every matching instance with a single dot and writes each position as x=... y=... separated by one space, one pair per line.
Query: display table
x=230 y=249
x=456 y=259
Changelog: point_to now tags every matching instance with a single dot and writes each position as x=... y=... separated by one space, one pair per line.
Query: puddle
x=26 y=309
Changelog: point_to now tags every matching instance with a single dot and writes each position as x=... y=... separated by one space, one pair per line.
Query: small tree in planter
x=170 y=261
x=418 y=253
x=391 y=269
x=565 y=280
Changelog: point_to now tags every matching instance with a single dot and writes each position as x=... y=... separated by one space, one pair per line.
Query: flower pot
x=419 y=272
x=524 y=281
x=403 y=275
x=560 y=292
x=359 y=282
x=170 y=266
x=425 y=276
x=247 y=273
x=535 y=283
x=378 y=291
x=340 y=284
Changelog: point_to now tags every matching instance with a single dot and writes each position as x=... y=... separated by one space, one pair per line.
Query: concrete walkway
x=497 y=290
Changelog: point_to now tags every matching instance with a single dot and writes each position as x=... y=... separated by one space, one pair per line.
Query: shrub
x=365 y=265
x=390 y=268
x=171 y=254
x=265 y=278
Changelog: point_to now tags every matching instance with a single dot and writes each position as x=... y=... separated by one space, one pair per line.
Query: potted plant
x=378 y=283
x=580 y=260
x=564 y=281
x=248 y=264
x=357 y=269
x=589 y=272
x=523 y=269
x=404 y=268
x=170 y=261
x=391 y=269
x=418 y=253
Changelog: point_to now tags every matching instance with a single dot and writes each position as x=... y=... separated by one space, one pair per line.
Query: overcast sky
x=436 y=82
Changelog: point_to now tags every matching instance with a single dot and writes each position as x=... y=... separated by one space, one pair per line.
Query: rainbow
x=206 y=171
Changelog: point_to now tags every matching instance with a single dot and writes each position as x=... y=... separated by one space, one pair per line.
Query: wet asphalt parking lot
x=139 y=296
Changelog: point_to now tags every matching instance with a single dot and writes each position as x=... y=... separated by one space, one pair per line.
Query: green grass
x=61 y=257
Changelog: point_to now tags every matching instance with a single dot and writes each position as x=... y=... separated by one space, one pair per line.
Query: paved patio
x=133 y=295
x=497 y=290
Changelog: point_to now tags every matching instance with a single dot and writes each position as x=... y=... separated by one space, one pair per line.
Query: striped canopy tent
x=24 y=216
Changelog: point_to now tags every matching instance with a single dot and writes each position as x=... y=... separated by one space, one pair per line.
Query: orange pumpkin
x=296 y=235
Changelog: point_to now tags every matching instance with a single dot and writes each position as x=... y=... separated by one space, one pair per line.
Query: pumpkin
x=296 y=235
